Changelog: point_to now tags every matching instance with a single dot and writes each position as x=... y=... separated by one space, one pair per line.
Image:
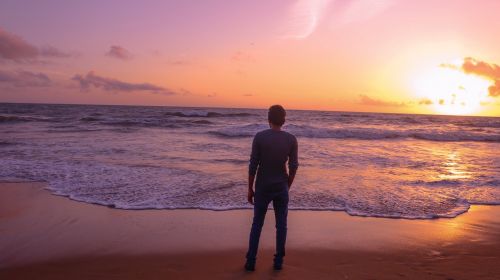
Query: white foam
x=160 y=188
x=363 y=133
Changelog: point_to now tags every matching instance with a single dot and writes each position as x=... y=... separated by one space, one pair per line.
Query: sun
x=452 y=92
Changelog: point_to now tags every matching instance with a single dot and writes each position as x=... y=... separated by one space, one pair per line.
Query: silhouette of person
x=271 y=149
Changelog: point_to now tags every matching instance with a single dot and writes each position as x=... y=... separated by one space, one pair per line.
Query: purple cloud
x=49 y=51
x=109 y=84
x=119 y=52
x=24 y=79
x=13 y=47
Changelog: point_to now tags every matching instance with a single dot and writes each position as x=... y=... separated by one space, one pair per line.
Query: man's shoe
x=278 y=263
x=278 y=266
x=250 y=266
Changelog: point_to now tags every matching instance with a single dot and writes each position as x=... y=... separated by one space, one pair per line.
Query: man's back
x=270 y=151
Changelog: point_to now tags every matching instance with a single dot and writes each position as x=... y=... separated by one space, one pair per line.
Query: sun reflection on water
x=454 y=168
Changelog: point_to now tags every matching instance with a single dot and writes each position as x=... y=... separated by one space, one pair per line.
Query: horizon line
x=245 y=108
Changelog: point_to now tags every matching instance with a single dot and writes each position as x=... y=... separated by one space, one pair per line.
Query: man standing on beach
x=271 y=149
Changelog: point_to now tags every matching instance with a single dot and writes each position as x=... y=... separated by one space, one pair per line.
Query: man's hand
x=250 y=196
x=291 y=177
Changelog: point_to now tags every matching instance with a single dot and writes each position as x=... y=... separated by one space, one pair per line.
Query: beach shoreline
x=53 y=237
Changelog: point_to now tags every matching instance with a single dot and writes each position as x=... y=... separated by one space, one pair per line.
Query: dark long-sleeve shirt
x=271 y=149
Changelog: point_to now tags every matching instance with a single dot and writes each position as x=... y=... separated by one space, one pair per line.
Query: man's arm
x=293 y=162
x=252 y=168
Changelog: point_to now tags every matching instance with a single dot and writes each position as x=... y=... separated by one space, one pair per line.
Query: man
x=271 y=148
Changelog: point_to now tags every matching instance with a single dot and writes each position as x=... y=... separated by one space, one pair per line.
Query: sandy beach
x=43 y=236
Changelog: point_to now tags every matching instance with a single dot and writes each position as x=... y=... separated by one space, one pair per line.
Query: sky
x=399 y=56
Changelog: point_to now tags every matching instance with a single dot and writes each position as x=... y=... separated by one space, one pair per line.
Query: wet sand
x=43 y=236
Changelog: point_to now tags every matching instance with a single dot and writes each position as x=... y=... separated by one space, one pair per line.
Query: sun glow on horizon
x=452 y=92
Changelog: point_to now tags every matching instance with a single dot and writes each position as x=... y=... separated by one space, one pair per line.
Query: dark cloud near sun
x=494 y=89
x=425 y=101
x=490 y=71
x=366 y=100
x=24 y=79
x=15 y=48
x=481 y=68
x=119 y=53
x=109 y=84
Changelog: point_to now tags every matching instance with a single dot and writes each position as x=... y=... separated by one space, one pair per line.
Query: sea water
x=367 y=164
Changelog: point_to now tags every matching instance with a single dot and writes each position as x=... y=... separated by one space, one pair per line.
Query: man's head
x=276 y=115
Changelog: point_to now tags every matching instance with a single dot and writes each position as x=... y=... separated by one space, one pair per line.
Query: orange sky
x=346 y=55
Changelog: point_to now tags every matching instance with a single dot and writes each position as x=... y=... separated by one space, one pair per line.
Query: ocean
x=366 y=164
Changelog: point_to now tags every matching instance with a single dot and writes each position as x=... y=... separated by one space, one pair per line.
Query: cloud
x=119 y=52
x=481 y=68
x=24 y=79
x=425 y=101
x=450 y=66
x=494 y=89
x=366 y=100
x=184 y=92
x=109 y=84
x=304 y=17
x=484 y=69
x=13 y=47
x=49 y=51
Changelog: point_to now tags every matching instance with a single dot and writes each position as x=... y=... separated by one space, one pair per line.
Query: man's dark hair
x=276 y=115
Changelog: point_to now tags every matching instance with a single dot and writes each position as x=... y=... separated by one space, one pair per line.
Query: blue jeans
x=278 y=194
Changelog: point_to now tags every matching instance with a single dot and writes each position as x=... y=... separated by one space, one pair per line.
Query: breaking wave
x=209 y=114
x=362 y=133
